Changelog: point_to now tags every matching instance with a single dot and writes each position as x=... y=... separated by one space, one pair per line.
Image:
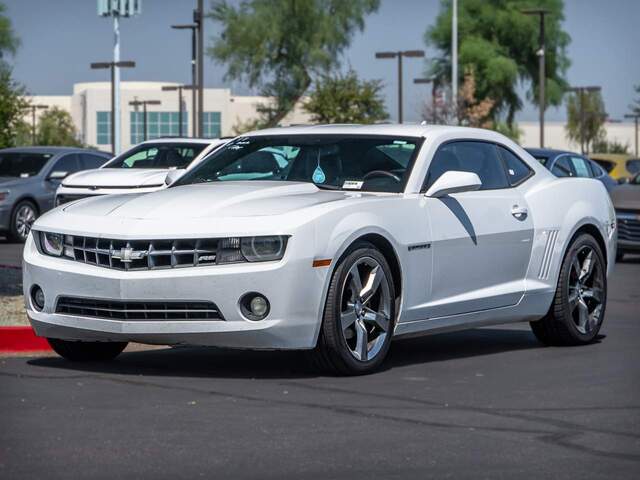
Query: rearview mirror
x=58 y=175
x=173 y=175
x=454 y=181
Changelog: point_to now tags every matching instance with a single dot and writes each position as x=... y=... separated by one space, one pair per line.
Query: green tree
x=603 y=145
x=500 y=43
x=585 y=118
x=55 y=127
x=279 y=46
x=9 y=41
x=346 y=99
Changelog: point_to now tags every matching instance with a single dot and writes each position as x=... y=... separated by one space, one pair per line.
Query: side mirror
x=454 y=181
x=58 y=175
x=173 y=175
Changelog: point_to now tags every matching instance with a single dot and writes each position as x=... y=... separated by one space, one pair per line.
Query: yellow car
x=617 y=165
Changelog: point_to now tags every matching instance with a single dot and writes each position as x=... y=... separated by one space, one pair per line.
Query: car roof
x=406 y=130
x=205 y=141
x=44 y=149
x=549 y=152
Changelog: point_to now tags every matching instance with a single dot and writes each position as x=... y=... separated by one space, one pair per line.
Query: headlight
x=262 y=249
x=52 y=243
x=251 y=249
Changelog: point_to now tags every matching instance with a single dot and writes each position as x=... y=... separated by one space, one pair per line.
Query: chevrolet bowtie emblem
x=128 y=254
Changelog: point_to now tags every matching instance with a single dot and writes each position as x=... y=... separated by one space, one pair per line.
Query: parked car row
x=35 y=179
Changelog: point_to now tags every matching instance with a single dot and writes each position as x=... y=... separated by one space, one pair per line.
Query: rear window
x=633 y=165
x=607 y=165
x=22 y=165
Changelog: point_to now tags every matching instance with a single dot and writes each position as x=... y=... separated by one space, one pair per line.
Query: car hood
x=116 y=177
x=626 y=197
x=7 y=182
x=231 y=199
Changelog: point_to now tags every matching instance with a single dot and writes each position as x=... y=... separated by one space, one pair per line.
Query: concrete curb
x=21 y=339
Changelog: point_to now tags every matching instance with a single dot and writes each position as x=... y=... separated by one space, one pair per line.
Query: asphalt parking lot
x=486 y=403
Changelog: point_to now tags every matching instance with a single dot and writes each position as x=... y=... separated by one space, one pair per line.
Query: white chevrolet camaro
x=332 y=239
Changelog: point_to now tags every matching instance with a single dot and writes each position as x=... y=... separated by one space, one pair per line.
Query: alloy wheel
x=365 y=312
x=25 y=216
x=586 y=290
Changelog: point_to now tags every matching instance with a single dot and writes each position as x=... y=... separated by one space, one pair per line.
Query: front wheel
x=578 y=308
x=22 y=218
x=86 y=351
x=359 y=314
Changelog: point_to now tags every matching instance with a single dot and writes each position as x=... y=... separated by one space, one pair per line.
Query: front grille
x=629 y=226
x=138 y=310
x=142 y=254
x=63 y=198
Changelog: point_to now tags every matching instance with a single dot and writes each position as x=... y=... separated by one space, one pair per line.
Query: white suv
x=140 y=169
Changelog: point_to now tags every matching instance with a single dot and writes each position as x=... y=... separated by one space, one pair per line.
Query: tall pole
x=399 y=87
x=144 y=120
x=33 y=124
x=399 y=55
x=180 y=111
x=635 y=117
x=194 y=82
x=542 y=79
x=113 y=108
x=115 y=88
x=454 y=58
x=200 y=82
x=582 y=121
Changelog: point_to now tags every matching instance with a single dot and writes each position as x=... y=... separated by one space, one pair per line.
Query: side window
x=69 y=164
x=517 y=170
x=608 y=166
x=480 y=158
x=633 y=165
x=92 y=161
x=562 y=168
x=581 y=167
x=596 y=170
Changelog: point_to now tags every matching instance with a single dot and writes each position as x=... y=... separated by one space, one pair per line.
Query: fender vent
x=545 y=265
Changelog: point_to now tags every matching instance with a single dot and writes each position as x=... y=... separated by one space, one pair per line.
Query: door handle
x=519 y=213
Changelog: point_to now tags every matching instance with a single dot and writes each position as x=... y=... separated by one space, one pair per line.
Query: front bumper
x=293 y=287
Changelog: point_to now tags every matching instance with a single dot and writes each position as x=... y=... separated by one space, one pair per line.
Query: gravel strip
x=11 y=302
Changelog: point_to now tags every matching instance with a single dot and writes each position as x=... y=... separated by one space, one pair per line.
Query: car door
x=68 y=163
x=481 y=240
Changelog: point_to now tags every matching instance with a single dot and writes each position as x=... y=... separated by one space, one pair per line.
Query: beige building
x=90 y=108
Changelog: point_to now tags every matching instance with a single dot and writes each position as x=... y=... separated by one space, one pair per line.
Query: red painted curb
x=21 y=339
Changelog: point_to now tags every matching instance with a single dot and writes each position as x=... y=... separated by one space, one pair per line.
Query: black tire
x=558 y=326
x=15 y=232
x=86 y=351
x=332 y=352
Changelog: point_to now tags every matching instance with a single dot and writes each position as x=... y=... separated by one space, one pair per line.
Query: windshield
x=22 y=165
x=158 y=155
x=350 y=162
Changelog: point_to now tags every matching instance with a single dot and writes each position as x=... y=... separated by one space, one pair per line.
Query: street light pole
x=581 y=92
x=179 y=88
x=635 y=117
x=144 y=103
x=194 y=116
x=399 y=55
x=199 y=20
x=114 y=106
x=454 y=58
x=541 y=67
x=432 y=81
x=33 y=109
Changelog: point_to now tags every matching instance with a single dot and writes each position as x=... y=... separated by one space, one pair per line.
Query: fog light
x=37 y=298
x=254 y=306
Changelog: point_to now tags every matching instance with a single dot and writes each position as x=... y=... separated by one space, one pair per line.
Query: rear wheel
x=86 y=351
x=359 y=314
x=578 y=309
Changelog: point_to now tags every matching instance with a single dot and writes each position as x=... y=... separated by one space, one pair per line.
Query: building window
x=103 y=122
x=211 y=125
x=159 y=124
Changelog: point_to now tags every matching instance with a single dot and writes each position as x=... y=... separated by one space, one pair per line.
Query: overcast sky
x=60 y=38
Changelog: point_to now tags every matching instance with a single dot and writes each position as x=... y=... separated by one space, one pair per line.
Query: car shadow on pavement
x=223 y=363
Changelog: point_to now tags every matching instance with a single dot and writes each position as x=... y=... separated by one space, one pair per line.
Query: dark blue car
x=569 y=164
x=29 y=177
